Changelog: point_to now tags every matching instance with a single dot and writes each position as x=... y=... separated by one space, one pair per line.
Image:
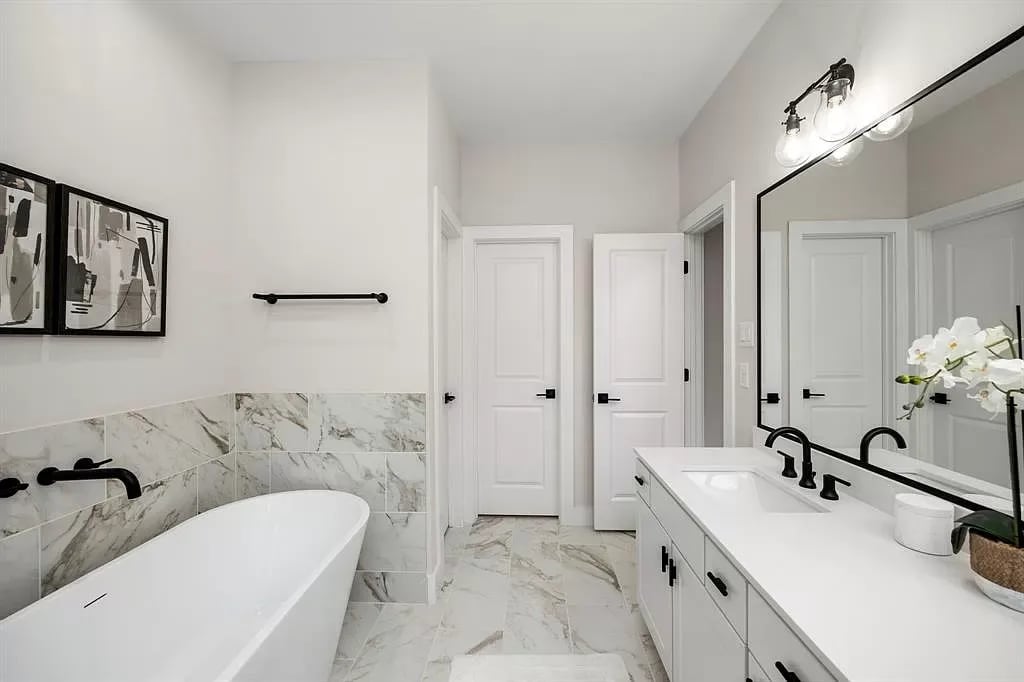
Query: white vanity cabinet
x=706 y=621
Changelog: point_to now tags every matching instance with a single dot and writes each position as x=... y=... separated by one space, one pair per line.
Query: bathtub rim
x=272 y=619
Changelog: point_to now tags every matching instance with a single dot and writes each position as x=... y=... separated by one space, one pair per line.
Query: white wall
x=109 y=98
x=331 y=185
x=897 y=48
x=598 y=188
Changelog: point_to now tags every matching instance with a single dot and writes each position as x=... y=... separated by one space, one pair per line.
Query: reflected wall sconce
x=834 y=119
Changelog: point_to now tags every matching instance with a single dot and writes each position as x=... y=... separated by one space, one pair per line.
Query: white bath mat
x=590 y=668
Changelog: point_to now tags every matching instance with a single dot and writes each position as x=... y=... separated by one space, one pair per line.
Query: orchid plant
x=985 y=361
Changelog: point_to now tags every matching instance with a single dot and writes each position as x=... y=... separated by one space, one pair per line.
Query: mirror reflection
x=915 y=225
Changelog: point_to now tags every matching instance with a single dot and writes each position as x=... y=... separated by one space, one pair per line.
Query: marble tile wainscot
x=369 y=444
x=183 y=454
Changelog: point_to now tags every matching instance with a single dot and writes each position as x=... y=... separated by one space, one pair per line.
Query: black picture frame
x=990 y=51
x=139 y=267
x=46 y=243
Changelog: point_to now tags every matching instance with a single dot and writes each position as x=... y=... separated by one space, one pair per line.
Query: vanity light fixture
x=844 y=155
x=833 y=121
x=892 y=127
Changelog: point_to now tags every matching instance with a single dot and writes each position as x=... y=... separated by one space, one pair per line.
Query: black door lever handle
x=549 y=394
x=808 y=395
x=602 y=399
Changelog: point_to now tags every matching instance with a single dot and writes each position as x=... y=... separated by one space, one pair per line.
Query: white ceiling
x=514 y=70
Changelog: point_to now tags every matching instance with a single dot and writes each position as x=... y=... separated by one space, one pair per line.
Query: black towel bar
x=274 y=298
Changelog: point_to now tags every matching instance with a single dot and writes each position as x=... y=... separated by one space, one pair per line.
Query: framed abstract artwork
x=27 y=224
x=112 y=267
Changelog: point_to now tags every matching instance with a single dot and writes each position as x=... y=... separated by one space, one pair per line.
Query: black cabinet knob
x=719 y=584
x=787 y=674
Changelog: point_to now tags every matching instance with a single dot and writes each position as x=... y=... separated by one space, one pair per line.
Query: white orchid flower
x=949 y=380
x=998 y=340
x=990 y=400
x=921 y=350
x=975 y=369
x=1007 y=374
x=963 y=338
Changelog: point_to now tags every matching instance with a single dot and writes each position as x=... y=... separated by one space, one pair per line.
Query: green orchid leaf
x=988 y=522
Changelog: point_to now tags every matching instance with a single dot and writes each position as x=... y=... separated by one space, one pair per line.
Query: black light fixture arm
x=841 y=69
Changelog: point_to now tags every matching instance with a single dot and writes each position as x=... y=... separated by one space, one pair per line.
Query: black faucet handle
x=9 y=487
x=87 y=463
x=828 y=486
x=789 y=466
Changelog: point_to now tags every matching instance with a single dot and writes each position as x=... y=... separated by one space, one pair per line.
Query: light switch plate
x=746 y=334
x=744 y=371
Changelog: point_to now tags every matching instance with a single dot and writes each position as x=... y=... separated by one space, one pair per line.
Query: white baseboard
x=578 y=516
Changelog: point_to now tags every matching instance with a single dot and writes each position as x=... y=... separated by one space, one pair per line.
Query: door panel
x=653 y=592
x=837 y=335
x=638 y=359
x=976 y=271
x=517 y=317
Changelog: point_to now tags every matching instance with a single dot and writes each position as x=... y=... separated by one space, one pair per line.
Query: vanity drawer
x=684 y=531
x=755 y=673
x=643 y=482
x=772 y=642
x=726 y=586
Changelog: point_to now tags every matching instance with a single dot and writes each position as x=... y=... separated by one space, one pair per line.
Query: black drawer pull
x=719 y=583
x=639 y=479
x=664 y=558
x=671 y=572
x=786 y=673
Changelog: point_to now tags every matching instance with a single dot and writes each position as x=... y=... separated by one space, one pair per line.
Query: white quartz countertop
x=871 y=609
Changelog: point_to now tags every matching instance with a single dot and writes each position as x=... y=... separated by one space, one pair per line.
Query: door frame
x=719 y=207
x=922 y=228
x=896 y=328
x=445 y=225
x=467 y=488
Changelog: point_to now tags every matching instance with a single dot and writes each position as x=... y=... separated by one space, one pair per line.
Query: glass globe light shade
x=892 y=127
x=794 y=145
x=844 y=156
x=835 y=117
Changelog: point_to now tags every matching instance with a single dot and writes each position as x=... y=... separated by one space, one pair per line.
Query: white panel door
x=837 y=323
x=977 y=271
x=517 y=431
x=638 y=362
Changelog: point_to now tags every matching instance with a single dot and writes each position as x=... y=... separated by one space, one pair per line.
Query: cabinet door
x=653 y=592
x=705 y=645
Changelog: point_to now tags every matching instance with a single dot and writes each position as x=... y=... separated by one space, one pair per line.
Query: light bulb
x=892 y=127
x=844 y=155
x=835 y=118
x=793 y=147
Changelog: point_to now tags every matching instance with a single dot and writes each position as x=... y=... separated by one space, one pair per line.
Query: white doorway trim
x=922 y=229
x=467 y=489
x=720 y=207
x=444 y=277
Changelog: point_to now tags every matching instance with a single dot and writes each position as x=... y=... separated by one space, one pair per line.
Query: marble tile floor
x=514 y=585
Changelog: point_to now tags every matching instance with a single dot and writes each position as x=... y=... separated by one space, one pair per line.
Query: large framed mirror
x=860 y=255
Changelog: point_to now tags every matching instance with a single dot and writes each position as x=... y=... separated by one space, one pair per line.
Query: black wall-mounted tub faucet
x=87 y=470
x=865 y=442
x=807 y=467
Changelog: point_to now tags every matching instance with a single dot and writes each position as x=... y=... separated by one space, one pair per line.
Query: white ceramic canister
x=924 y=523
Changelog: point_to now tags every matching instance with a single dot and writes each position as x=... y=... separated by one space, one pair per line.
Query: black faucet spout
x=87 y=470
x=865 y=442
x=807 y=466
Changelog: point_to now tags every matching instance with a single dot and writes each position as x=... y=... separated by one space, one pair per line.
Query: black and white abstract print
x=114 y=269
x=24 y=233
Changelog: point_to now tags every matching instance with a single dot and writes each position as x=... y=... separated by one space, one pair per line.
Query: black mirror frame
x=955 y=73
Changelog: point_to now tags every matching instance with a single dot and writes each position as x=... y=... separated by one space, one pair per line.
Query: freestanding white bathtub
x=254 y=590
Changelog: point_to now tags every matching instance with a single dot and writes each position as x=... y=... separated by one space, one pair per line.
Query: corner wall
x=897 y=49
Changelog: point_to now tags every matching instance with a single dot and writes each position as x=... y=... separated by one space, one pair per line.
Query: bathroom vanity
x=743 y=575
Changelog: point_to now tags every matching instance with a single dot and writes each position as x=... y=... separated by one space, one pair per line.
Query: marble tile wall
x=369 y=444
x=196 y=455
x=182 y=453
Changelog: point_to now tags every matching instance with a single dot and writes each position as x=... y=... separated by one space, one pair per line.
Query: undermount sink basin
x=746 y=490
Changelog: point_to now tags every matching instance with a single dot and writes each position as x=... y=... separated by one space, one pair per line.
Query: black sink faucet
x=807 y=468
x=87 y=470
x=865 y=442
